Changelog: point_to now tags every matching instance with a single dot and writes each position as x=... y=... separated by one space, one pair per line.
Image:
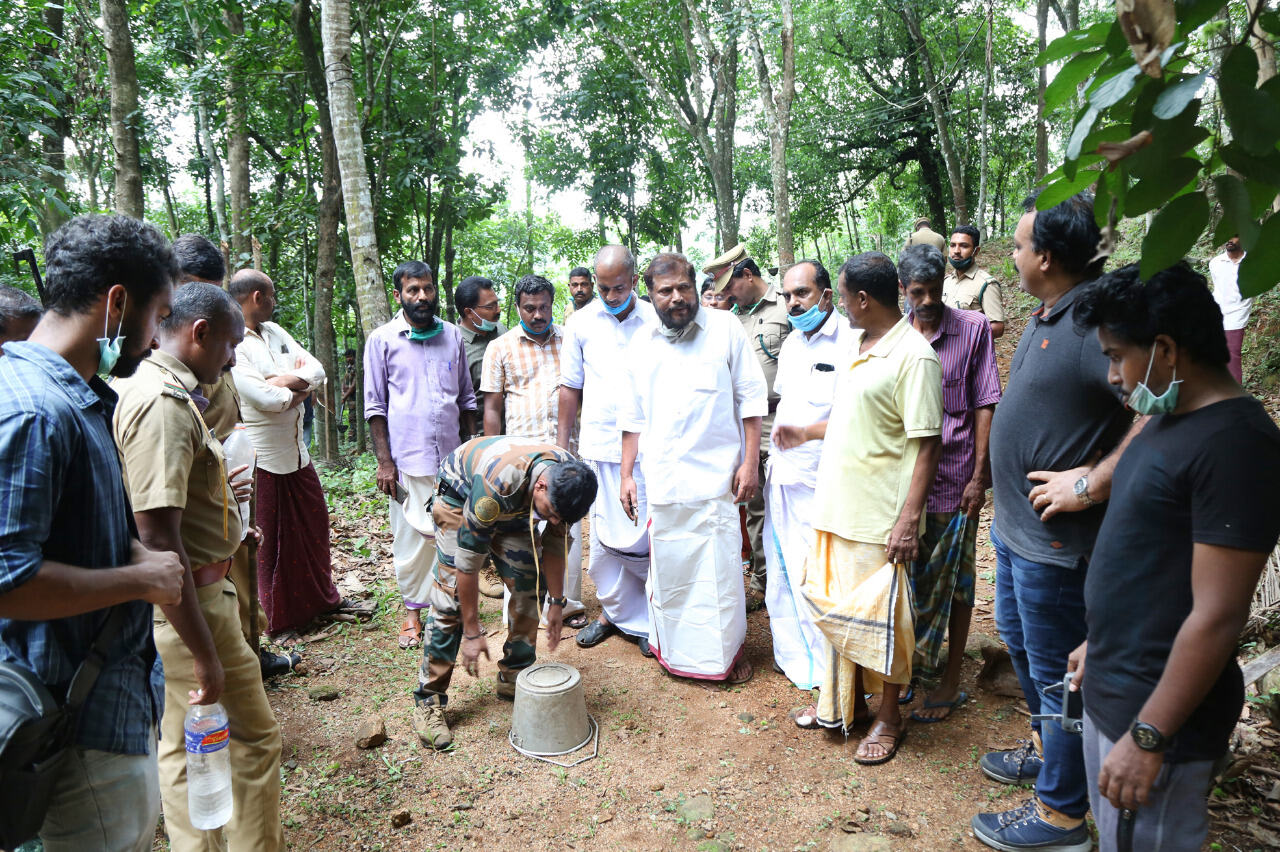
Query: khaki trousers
x=255 y=734
x=240 y=579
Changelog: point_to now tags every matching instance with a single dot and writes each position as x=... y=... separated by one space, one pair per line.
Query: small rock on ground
x=372 y=732
x=697 y=808
x=400 y=819
x=323 y=692
x=860 y=843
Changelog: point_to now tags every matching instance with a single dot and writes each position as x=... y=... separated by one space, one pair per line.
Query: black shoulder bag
x=37 y=734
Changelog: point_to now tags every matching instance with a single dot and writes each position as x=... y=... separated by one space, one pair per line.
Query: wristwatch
x=1147 y=737
x=1082 y=491
x=560 y=602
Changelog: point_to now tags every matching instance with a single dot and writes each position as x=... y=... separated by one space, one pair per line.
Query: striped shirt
x=970 y=380
x=526 y=371
x=62 y=498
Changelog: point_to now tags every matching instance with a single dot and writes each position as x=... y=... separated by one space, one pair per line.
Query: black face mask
x=962 y=265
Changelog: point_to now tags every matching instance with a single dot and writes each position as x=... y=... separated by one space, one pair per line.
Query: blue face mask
x=483 y=324
x=533 y=333
x=809 y=320
x=615 y=311
x=109 y=349
x=1144 y=401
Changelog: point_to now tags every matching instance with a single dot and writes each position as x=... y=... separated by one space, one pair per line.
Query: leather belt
x=207 y=575
x=444 y=489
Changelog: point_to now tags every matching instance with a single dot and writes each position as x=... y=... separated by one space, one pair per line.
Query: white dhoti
x=799 y=648
x=696 y=602
x=413 y=546
x=620 y=551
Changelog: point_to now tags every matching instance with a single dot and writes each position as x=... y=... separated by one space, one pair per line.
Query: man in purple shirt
x=418 y=401
x=943 y=577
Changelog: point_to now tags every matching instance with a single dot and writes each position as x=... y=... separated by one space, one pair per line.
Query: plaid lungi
x=943 y=574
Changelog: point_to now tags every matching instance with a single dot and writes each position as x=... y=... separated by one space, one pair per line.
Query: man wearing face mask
x=943 y=575
x=1193 y=516
x=478 y=310
x=1055 y=439
x=969 y=288
x=69 y=560
x=806 y=386
x=1224 y=270
x=418 y=400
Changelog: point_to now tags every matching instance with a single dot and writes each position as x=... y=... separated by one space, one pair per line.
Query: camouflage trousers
x=513 y=558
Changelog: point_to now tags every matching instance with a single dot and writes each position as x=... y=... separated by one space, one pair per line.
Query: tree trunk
x=1261 y=46
x=327 y=214
x=933 y=90
x=777 y=113
x=54 y=144
x=237 y=142
x=984 y=149
x=366 y=265
x=1042 y=129
x=215 y=169
x=125 y=111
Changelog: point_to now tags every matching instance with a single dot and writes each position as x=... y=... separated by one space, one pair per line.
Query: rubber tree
x=123 y=75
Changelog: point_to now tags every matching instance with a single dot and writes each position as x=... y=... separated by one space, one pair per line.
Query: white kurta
x=806 y=385
x=688 y=400
x=592 y=359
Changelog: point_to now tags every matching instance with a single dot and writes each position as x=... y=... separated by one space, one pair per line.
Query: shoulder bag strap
x=87 y=674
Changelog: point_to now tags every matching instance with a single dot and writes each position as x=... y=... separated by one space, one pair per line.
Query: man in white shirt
x=1223 y=271
x=697 y=399
x=593 y=378
x=806 y=383
x=274 y=375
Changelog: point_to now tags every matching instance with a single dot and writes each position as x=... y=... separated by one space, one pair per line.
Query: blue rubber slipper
x=951 y=706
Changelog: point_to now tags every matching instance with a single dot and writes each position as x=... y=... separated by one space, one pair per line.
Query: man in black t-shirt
x=1193 y=515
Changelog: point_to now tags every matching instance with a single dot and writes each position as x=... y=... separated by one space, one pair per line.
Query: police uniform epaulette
x=175 y=391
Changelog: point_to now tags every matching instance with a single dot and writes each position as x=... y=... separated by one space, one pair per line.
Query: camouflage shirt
x=492 y=480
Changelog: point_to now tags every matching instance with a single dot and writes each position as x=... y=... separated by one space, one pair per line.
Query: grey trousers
x=1177 y=817
x=105 y=802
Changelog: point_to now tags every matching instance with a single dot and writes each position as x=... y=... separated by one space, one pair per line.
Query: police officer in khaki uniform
x=763 y=312
x=923 y=234
x=513 y=500
x=968 y=288
x=176 y=477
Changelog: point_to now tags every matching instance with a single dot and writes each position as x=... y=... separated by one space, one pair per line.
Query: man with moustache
x=806 y=385
x=418 y=400
x=1223 y=271
x=70 y=564
x=593 y=379
x=697 y=395
x=581 y=290
x=177 y=481
x=943 y=575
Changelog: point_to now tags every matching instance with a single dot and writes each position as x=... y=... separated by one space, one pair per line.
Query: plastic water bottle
x=238 y=450
x=208 y=737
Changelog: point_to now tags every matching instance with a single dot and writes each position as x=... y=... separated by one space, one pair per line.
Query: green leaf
x=1172 y=138
x=1112 y=91
x=1173 y=232
x=1265 y=169
x=1175 y=99
x=1253 y=116
x=1063 y=189
x=1082 y=129
x=1192 y=13
x=1155 y=190
x=1069 y=77
x=1270 y=22
x=1073 y=42
x=1237 y=212
x=1260 y=269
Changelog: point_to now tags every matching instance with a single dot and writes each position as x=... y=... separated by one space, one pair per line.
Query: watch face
x=1081 y=486
x=1145 y=737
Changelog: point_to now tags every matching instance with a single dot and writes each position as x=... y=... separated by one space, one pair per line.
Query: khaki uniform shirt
x=961 y=290
x=223 y=412
x=928 y=237
x=172 y=461
x=475 y=343
x=767 y=326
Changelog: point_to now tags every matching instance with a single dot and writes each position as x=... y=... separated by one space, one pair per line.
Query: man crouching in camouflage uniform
x=513 y=499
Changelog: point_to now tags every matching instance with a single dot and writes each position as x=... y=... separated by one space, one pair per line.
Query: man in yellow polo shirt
x=882 y=444
x=176 y=477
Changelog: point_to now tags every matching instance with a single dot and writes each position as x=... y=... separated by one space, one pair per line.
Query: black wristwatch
x=1147 y=737
x=560 y=602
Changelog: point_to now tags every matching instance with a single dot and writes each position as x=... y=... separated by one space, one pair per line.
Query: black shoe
x=643 y=644
x=276 y=664
x=594 y=633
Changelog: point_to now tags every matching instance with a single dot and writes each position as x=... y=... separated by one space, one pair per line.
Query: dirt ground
x=681 y=765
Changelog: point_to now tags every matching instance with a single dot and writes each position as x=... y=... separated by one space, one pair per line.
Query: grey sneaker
x=430 y=726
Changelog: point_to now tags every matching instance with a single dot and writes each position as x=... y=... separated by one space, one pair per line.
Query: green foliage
x=1211 y=167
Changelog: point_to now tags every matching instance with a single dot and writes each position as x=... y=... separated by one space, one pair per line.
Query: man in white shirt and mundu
x=696 y=402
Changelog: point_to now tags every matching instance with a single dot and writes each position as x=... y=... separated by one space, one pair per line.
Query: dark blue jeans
x=1040 y=615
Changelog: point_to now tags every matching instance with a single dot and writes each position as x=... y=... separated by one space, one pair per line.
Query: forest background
x=324 y=141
